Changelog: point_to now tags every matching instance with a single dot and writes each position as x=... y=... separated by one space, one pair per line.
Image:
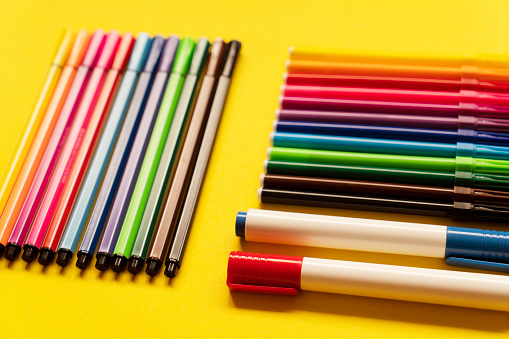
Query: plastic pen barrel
x=127 y=106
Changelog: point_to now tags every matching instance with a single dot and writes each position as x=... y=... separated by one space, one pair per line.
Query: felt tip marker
x=54 y=147
x=464 y=247
x=33 y=159
x=13 y=168
x=124 y=117
x=171 y=151
x=86 y=151
x=178 y=242
x=148 y=169
x=125 y=187
x=287 y=275
x=87 y=120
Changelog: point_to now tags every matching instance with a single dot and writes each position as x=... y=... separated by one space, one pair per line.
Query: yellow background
x=52 y=302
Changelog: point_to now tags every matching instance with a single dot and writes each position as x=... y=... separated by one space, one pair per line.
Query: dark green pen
x=168 y=158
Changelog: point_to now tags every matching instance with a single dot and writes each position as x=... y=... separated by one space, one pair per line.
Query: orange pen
x=86 y=149
x=34 y=156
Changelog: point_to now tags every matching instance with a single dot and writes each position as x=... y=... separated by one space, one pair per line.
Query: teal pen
x=95 y=173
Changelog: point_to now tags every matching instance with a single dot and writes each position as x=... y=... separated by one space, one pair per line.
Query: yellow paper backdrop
x=56 y=302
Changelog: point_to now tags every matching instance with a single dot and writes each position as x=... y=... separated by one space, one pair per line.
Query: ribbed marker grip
x=477 y=244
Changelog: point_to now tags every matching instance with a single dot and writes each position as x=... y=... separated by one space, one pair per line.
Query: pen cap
x=109 y=50
x=124 y=50
x=94 y=49
x=64 y=48
x=168 y=55
x=216 y=56
x=262 y=273
x=233 y=52
x=154 y=54
x=184 y=55
x=140 y=52
x=201 y=52
x=78 y=49
x=477 y=244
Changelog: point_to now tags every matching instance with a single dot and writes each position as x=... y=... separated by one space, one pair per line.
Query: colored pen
x=54 y=148
x=384 y=146
x=138 y=201
x=169 y=156
x=286 y=275
x=33 y=122
x=335 y=80
x=179 y=240
x=125 y=187
x=392 y=120
x=391 y=107
x=85 y=151
x=36 y=152
x=132 y=100
x=84 y=116
x=387 y=132
x=464 y=247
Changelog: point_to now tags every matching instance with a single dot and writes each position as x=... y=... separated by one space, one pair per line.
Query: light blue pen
x=91 y=184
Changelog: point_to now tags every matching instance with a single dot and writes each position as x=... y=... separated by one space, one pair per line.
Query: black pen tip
x=63 y=257
x=171 y=269
x=135 y=265
x=153 y=266
x=2 y=248
x=83 y=260
x=12 y=251
x=119 y=263
x=103 y=261
x=46 y=256
x=29 y=253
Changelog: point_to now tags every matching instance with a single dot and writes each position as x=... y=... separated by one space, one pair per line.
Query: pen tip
x=63 y=257
x=103 y=262
x=135 y=265
x=153 y=266
x=119 y=263
x=46 y=256
x=2 y=248
x=171 y=269
x=83 y=260
x=12 y=251
x=29 y=253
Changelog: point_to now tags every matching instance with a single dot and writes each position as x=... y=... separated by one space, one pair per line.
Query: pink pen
x=72 y=144
x=54 y=148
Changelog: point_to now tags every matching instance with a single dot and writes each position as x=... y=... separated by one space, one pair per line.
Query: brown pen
x=187 y=160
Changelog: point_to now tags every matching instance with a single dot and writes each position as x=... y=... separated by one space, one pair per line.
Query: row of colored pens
x=115 y=151
x=392 y=132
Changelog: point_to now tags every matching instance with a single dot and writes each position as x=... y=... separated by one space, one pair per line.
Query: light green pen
x=153 y=154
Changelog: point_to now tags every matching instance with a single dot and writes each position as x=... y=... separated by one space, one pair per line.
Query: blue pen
x=123 y=119
x=387 y=146
x=127 y=183
x=387 y=132
x=463 y=247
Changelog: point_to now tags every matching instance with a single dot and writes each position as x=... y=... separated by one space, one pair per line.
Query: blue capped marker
x=463 y=247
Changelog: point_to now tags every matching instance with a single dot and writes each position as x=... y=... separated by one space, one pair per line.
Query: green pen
x=165 y=119
x=169 y=157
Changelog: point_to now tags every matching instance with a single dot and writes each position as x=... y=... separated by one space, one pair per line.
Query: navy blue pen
x=129 y=176
x=387 y=132
x=116 y=164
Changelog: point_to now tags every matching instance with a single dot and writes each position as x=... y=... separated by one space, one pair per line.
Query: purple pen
x=132 y=168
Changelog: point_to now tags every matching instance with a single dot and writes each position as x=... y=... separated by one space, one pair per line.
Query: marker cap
x=109 y=50
x=94 y=49
x=140 y=52
x=154 y=54
x=262 y=273
x=78 y=49
x=240 y=224
x=124 y=50
x=201 y=52
x=64 y=48
x=184 y=55
x=216 y=55
x=168 y=56
x=233 y=52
